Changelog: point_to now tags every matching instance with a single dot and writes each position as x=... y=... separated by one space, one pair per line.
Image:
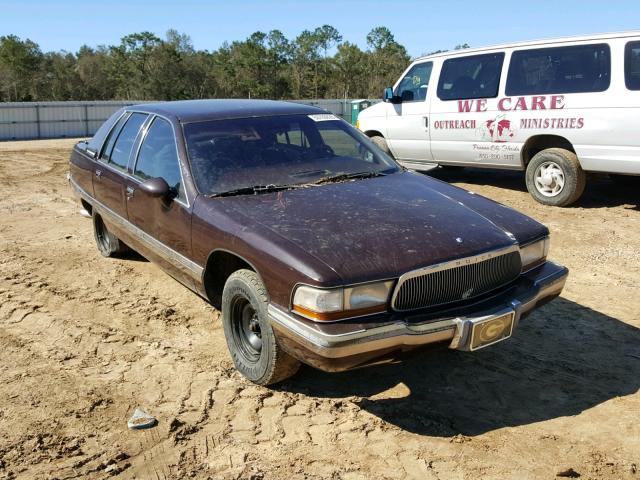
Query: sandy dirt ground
x=85 y=340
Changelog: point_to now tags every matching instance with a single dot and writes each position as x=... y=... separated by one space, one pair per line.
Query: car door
x=408 y=120
x=111 y=168
x=165 y=223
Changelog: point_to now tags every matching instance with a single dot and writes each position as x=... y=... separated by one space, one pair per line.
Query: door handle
x=98 y=173
x=130 y=191
x=426 y=122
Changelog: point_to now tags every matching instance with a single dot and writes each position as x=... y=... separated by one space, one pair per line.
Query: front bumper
x=351 y=343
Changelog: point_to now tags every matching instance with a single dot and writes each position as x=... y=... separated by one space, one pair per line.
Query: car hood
x=384 y=226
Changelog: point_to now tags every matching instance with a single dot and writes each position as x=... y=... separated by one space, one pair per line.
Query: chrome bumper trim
x=402 y=334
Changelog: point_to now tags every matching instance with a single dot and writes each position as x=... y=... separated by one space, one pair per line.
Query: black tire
x=381 y=143
x=554 y=177
x=251 y=341
x=451 y=168
x=108 y=244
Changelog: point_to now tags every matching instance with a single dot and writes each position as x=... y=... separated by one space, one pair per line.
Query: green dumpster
x=356 y=107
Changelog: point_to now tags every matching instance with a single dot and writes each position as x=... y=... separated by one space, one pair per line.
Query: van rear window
x=632 y=65
x=476 y=76
x=575 y=69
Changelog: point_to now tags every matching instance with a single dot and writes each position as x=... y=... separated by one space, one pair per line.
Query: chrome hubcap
x=549 y=179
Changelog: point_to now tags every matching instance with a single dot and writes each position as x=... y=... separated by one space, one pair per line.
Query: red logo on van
x=499 y=129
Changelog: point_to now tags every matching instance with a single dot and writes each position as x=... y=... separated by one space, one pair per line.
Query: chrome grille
x=457 y=280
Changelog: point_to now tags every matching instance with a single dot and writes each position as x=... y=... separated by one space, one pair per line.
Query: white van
x=555 y=108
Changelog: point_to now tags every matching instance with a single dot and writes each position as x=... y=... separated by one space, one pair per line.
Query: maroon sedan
x=316 y=246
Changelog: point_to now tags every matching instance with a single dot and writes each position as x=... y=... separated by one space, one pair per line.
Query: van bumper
x=357 y=342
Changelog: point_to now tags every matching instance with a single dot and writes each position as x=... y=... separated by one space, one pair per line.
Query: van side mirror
x=156 y=187
x=388 y=96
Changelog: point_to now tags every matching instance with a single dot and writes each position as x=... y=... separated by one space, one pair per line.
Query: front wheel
x=250 y=338
x=554 y=177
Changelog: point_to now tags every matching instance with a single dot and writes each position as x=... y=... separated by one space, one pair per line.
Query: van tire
x=252 y=342
x=108 y=244
x=381 y=143
x=554 y=177
x=451 y=168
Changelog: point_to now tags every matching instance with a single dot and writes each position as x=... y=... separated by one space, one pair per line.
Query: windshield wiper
x=253 y=190
x=347 y=176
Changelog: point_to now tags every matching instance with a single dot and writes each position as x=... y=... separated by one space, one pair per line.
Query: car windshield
x=260 y=154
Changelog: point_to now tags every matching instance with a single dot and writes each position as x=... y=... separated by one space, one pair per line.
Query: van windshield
x=287 y=151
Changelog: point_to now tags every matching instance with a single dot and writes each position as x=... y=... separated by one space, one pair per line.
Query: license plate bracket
x=492 y=330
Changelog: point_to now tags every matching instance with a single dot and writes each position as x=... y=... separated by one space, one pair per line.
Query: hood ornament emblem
x=459 y=240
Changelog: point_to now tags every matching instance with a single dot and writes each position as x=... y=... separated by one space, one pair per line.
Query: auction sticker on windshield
x=323 y=117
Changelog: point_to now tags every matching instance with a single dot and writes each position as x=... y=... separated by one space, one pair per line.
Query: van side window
x=413 y=86
x=477 y=76
x=575 y=69
x=632 y=65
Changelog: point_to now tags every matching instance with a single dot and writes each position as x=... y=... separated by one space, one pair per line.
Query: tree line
x=145 y=67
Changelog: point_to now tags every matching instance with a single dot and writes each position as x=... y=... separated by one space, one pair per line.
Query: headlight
x=338 y=303
x=534 y=254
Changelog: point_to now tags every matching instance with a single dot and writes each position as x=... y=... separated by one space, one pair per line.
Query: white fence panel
x=32 y=120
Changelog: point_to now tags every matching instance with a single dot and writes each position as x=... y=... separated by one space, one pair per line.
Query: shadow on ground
x=563 y=359
x=601 y=191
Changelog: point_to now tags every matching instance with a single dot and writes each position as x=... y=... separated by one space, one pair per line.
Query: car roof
x=186 y=111
x=544 y=41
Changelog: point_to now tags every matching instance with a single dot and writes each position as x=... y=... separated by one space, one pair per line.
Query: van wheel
x=451 y=168
x=108 y=244
x=554 y=177
x=250 y=338
x=381 y=143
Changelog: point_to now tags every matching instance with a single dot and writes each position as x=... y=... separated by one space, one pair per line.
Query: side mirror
x=156 y=187
x=388 y=96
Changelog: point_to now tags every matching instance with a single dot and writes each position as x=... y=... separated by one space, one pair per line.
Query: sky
x=421 y=26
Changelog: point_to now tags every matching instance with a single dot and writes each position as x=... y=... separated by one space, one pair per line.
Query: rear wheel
x=381 y=143
x=554 y=177
x=108 y=244
x=250 y=338
x=451 y=168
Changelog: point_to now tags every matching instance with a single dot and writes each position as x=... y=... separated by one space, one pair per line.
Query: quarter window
x=113 y=135
x=413 y=86
x=575 y=69
x=476 y=76
x=158 y=157
x=632 y=65
x=122 y=148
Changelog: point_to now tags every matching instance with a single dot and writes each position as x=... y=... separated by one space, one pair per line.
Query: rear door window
x=413 y=86
x=119 y=156
x=476 y=76
x=574 y=69
x=158 y=157
x=632 y=65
